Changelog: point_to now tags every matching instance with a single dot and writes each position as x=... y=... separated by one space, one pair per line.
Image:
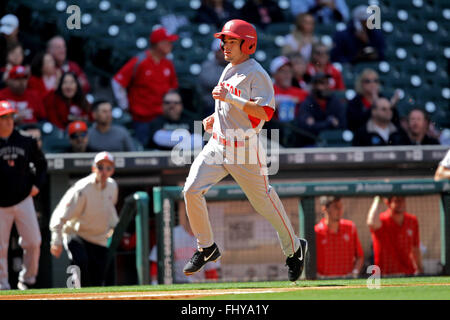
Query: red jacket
x=29 y=106
x=146 y=88
x=61 y=113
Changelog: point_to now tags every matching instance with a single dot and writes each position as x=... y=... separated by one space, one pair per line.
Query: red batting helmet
x=242 y=30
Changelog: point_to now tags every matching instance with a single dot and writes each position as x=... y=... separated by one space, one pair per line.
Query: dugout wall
x=250 y=249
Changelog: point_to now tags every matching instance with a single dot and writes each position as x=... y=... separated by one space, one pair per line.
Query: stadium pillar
x=445 y=232
x=142 y=237
x=307 y=219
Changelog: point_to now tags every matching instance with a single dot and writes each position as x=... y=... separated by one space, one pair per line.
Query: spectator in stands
x=299 y=68
x=142 y=82
x=302 y=38
x=78 y=137
x=287 y=97
x=357 y=43
x=44 y=74
x=56 y=46
x=367 y=87
x=216 y=12
x=261 y=13
x=28 y=104
x=85 y=219
x=212 y=69
x=379 y=129
x=443 y=169
x=418 y=124
x=184 y=246
x=171 y=129
x=320 y=62
x=321 y=110
x=10 y=34
x=325 y=11
x=395 y=237
x=14 y=57
x=339 y=251
x=103 y=134
x=68 y=103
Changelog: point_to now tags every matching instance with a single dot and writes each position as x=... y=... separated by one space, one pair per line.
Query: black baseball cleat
x=200 y=258
x=296 y=262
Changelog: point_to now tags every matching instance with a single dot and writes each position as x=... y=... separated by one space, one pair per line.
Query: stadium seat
x=335 y=138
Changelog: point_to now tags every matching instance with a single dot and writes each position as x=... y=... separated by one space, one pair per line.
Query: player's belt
x=226 y=142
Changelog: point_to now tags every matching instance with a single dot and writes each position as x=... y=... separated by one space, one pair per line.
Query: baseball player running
x=244 y=100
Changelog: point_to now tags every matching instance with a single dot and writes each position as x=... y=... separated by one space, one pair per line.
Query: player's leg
x=264 y=199
x=6 y=223
x=206 y=170
x=30 y=240
x=78 y=256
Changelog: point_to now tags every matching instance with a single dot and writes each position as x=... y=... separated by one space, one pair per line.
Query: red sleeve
x=174 y=78
x=340 y=85
x=416 y=234
x=123 y=77
x=269 y=111
x=55 y=110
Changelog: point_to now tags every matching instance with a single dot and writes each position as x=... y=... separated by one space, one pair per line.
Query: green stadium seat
x=335 y=138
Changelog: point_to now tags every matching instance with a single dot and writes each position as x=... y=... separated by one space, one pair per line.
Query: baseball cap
x=326 y=200
x=77 y=126
x=277 y=63
x=8 y=23
x=160 y=34
x=18 y=72
x=104 y=155
x=6 y=108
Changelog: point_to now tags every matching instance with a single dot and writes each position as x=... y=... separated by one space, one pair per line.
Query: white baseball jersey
x=446 y=161
x=249 y=81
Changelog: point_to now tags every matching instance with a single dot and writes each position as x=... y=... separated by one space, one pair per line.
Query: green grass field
x=420 y=288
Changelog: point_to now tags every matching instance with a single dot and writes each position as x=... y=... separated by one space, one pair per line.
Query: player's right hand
x=56 y=250
x=208 y=123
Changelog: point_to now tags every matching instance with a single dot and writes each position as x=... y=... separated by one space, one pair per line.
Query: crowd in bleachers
x=336 y=80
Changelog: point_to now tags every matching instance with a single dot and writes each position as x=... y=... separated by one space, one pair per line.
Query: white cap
x=277 y=63
x=360 y=13
x=104 y=155
x=8 y=23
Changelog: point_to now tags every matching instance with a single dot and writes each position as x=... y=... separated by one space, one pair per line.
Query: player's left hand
x=219 y=92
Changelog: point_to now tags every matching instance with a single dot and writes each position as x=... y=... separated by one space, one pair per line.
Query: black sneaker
x=200 y=258
x=297 y=261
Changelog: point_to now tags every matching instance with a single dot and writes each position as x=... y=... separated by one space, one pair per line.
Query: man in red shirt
x=287 y=97
x=395 y=236
x=27 y=103
x=56 y=46
x=143 y=81
x=339 y=251
x=320 y=62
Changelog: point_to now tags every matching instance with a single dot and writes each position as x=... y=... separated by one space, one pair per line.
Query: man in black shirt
x=18 y=184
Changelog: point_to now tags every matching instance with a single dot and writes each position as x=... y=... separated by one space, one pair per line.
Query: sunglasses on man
x=101 y=167
x=78 y=135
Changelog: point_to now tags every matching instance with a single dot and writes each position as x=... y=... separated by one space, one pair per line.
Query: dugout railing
x=164 y=199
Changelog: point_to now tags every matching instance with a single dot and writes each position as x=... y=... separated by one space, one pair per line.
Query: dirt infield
x=182 y=294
